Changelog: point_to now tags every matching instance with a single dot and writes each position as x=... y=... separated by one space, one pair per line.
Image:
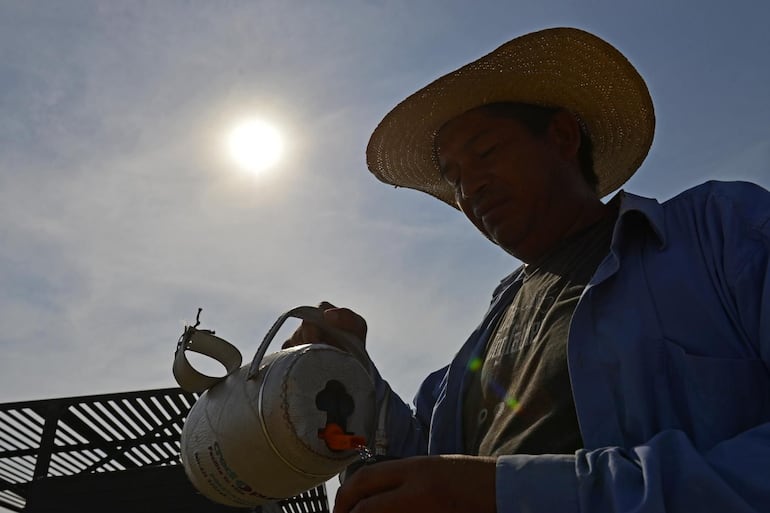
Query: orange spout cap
x=337 y=440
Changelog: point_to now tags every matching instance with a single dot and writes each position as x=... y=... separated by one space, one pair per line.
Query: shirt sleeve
x=665 y=475
x=407 y=427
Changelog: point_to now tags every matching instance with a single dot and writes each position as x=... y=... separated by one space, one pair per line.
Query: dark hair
x=536 y=119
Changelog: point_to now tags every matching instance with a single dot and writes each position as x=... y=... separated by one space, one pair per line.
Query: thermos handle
x=315 y=315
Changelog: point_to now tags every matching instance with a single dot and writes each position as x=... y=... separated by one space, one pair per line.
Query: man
x=626 y=365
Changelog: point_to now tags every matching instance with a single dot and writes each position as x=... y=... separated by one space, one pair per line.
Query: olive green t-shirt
x=519 y=400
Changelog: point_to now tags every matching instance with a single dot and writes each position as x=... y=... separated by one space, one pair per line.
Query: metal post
x=51 y=416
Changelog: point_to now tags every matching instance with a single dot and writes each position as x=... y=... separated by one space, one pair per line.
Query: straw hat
x=559 y=67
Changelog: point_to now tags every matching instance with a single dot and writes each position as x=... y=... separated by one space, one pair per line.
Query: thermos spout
x=337 y=440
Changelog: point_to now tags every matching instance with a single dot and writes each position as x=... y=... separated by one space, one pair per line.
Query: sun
x=255 y=145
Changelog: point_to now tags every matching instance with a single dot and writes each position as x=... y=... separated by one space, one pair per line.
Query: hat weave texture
x=559 y=67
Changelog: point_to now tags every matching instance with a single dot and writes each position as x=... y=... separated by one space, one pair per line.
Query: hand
x=341 y=318
x=424 y=484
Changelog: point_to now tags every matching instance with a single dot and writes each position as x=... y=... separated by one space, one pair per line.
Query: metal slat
x=11 y=501
x=137 y=412
x=98 y=461
x=148 y=453
x=112 y=466
x=119 y=425
x=105 y=422
x=139 y=456
x=158 y=450
x=161 y=411
x=11 y=437
x=64 y=439
x=186 y=400
x=82 y=459
x=87 y=418
x=96 y=440
x=33 y=426
x=181 y=407
x=129 y=416
x=78 y=461
x=14 y=486
x=14 y=474
x=153 y=413
x=66 y=465
x=55 y=469
x=171 y=407
x=164 y=425
x=66 y=429
x=159 y=401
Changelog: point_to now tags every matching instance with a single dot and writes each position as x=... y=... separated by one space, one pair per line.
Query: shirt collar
x=649 y=208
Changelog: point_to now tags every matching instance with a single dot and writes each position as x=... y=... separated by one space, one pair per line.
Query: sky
x=121 y=213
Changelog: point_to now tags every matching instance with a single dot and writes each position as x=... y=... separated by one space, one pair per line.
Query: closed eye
x=488 y=151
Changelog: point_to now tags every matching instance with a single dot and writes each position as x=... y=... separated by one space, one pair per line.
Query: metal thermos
x=280 y=426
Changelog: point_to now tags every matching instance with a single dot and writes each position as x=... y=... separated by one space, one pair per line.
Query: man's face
x=508 y=181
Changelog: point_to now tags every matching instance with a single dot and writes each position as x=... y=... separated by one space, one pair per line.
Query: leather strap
x=205 y=343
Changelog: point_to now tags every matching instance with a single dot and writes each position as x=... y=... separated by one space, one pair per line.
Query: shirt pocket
x=716 y=398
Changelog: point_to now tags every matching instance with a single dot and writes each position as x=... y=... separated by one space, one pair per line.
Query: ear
x=564 y=132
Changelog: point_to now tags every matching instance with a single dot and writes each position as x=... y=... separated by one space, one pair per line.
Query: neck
x=588 y=216
x=571 y=222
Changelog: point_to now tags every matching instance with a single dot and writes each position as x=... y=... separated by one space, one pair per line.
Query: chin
x=510 y=245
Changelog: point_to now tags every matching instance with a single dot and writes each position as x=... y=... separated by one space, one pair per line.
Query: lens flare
x=474 y=365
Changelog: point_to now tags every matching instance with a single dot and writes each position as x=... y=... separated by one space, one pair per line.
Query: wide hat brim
x=559 y=67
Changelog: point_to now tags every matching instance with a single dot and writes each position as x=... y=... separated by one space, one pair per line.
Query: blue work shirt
x=669 y=360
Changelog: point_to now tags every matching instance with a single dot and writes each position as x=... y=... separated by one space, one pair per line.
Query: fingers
x=346 y=320
x=365 y=489
x=307 y=333
x=424 y=484
x=386 y=502
x=340 y=318
x=325 y=305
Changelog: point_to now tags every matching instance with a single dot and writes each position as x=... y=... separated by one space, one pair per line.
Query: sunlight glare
x=255 y=145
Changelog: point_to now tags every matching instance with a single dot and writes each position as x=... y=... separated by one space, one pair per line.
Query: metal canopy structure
x=93 y=453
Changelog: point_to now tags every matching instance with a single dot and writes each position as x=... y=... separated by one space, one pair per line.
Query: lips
x=485 y=206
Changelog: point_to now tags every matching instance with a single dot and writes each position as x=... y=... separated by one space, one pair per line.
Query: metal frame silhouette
x=124 y=439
